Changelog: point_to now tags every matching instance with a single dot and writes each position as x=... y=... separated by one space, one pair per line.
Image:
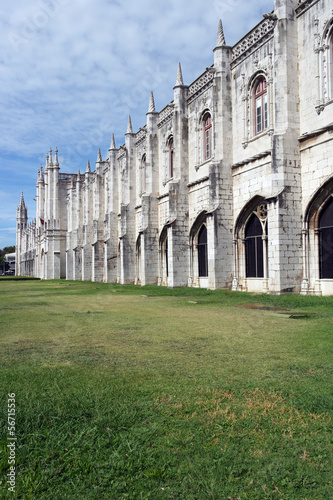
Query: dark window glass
x=171 y=156
x=202 y=252
x=207 y=121
x=326 y=241
x=261 y=109
x=254 y=248
x=166 y=257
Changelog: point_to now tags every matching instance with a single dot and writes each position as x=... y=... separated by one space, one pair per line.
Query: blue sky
x=72 y=71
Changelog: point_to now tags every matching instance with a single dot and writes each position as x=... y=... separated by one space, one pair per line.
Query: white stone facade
x=229 y=186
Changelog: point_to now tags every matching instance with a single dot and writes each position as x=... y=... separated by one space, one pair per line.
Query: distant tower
x=22 y=223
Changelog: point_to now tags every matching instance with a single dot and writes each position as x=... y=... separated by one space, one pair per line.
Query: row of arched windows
x=260 y=125
x=206 y=143
x=256 y=235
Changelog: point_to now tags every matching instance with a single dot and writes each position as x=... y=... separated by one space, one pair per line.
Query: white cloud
x=72 y=70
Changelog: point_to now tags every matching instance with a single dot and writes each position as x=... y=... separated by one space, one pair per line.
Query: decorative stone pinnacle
x=47 y=161
x=179 y=80
x=22 y=204
x=50 y=158
x=113 y=142
x=99 y=156
x=220 y=36
x=151 y=108
x=88 y=167
x=56 y=162
x=129 y=126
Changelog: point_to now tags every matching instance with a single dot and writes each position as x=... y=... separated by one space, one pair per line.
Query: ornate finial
x=47 y=161
x=50 y=158
x=220 y=36
x=151 y=108
x=179 y=80
x=40 y=174
x=88 y=167
x=113 y=143
x=56 y=162
x=22 y=204
x=129 y=126
x=99 y=156
x=78 y=175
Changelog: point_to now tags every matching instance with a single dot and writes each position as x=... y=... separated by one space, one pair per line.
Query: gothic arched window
x=170 y=143
x=331 y=64
x=326 y=241
x=143 y=174
x=254 y=248
x=207 y=127
x=202 y=252
x=165 y=256
x=261 y=105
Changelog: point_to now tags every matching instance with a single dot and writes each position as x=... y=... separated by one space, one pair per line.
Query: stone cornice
x=316 y=133
x=252 y=158
x=165 y=195
x=165 y=115
x=199 y=181
x=201 y=84
x=141 y=136
x=303 y=6
x=259 y=35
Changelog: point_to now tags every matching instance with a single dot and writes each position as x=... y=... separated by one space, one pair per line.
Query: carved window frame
x=324 y=73
x=259 y=246
x=207 y=126
x=249 y=104
x=260 y=99
x=143 y=166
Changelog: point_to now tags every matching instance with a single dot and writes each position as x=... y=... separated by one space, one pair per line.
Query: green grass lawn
x=127 y=392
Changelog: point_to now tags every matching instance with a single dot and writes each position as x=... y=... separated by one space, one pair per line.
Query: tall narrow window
x=143 y=174
x=207 y=125
x=331 y=64
x=254 y=248
x=326 y=241
x=171 y=157
x=166 y=257
x=261 y=106
x=138 y=260
x=202 y=252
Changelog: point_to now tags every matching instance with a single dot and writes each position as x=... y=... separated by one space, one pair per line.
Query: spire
x=22 y=204
x=40 y=174
x=99 y=156
x=179 y=80
x=220 y=36
x=88 y=167
x=113 y=143
x=78 y=175
x=129 y=126
x=56 y=162
x=47 y=162
x=50 y=159
x=151 y=108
